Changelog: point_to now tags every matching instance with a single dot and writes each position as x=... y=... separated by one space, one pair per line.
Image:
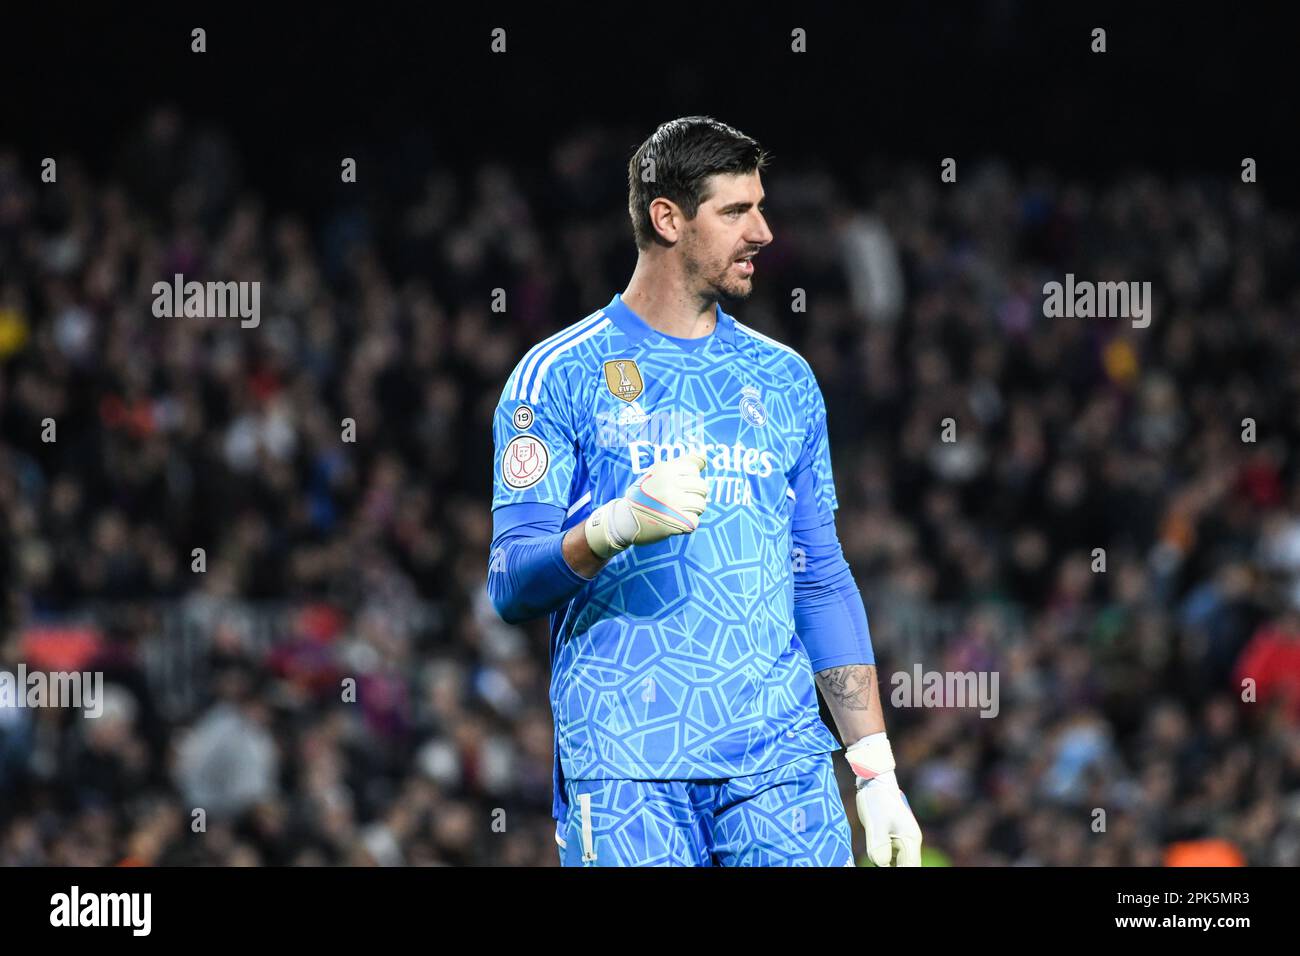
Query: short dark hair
x=685 y=152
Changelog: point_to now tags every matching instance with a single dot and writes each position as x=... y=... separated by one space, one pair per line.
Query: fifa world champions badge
x=751 y=407
x=525 y=461
x=623 y=379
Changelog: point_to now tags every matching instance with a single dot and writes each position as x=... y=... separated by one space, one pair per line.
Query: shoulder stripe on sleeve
x=559 y=350
x=577 y=505
x=529 y=363
x=768 y=339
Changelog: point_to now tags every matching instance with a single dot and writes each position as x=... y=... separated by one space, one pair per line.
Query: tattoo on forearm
x=850 y=685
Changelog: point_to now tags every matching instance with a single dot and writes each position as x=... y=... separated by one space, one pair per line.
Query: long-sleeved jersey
x=680 y=659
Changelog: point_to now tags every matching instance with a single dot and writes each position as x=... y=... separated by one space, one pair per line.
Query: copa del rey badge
x=525 y=461
x=751 y=407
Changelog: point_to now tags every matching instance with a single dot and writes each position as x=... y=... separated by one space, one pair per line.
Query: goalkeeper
x=663 y=490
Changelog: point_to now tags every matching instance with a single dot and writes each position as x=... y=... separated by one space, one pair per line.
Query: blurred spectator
x=326 y=677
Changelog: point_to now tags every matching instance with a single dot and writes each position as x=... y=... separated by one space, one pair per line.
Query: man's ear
x=666 y=213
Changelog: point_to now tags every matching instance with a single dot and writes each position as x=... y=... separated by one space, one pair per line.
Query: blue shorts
x=789 y=816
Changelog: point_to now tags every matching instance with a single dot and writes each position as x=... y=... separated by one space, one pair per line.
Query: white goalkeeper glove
x=893 y=836
x=668 y=499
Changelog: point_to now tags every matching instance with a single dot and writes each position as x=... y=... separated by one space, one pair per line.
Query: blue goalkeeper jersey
x=679 y=660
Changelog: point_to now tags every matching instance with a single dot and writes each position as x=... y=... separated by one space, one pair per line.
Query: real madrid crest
x=751 y=407
x=624 y=379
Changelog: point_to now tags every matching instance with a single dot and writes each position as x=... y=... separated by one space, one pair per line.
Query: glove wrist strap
x=871 y=756
x=604 y=536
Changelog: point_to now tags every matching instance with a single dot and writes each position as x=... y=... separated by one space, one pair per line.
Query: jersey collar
x=635 y=327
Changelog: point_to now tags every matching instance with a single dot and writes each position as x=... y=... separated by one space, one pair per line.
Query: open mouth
x=745 y=264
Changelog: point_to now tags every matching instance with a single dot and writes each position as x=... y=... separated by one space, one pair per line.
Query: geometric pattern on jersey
x=679 y=661
x=789 y=816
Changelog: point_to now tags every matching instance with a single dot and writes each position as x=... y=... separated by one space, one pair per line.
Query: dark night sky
x=1183 y=87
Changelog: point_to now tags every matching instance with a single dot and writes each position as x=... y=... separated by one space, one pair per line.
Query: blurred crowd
x=1114 y=531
